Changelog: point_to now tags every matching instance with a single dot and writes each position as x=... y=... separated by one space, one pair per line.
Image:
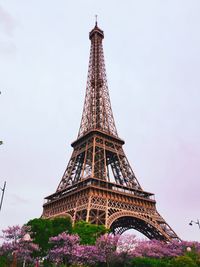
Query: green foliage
x=88 y=232
x=43 y=229
x=41 y=232
x=148 y=262
x=3 y=261
x=194 y=255
x=46 y=263
x=183 y=261
x=60 y=225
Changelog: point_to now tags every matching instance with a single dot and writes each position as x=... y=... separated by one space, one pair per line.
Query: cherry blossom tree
x=66 y=249
x=63 y=248
x=125 y=246
x=87 y=255
x=107 y=246
x=161 y=249
x=126 y=243
x=17 y=245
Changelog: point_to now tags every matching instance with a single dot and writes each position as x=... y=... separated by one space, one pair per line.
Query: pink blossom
x=15 y=244
x=107 y=246
x=63 y=247
x=161 y=249
x=85 y=254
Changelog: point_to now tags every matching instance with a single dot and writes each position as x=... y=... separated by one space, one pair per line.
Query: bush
x=148 y=262
x=194 y=255
x=43 y=229
x=3 y=261
x=88 y=232
x=183 y=261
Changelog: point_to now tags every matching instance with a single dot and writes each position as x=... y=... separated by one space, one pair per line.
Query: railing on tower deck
x=102 y=185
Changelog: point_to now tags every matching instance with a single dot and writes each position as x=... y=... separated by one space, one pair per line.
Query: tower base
x=117 y=207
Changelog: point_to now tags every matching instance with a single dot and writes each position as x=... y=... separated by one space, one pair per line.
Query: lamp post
x=26 y=238
x=14 y=263
x=1 y=142
x=197 y=222
x=2 y=195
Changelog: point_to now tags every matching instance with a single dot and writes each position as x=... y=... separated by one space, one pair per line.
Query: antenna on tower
x=96 y=20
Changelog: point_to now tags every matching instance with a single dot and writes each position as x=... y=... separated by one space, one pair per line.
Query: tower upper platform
x=96 y=30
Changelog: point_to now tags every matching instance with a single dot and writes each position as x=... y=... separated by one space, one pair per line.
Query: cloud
x=18 y=200
x=7 y=48
x=6 y=22
x=7 y=26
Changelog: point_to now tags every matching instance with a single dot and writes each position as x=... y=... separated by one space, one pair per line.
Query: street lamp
x=197 y=222
x=1 y=142
x=2 y=195
x=14 y=263
x=26 y=238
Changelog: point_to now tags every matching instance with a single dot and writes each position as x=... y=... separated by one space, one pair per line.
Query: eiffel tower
x=99 y=185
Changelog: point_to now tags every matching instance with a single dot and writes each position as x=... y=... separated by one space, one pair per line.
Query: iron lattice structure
x=99 y=185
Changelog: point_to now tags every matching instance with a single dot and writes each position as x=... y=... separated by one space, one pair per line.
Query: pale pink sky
x=153 y=61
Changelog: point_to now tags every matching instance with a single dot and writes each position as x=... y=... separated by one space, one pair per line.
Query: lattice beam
x=101 y=158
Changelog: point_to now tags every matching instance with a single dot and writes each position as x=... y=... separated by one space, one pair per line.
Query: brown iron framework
x=99 y=185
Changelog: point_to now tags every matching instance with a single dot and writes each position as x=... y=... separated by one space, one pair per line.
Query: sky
x=152 y=61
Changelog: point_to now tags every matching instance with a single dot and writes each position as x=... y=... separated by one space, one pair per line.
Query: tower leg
x=88 y=209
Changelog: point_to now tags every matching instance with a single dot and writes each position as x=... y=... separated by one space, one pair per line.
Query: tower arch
x=122 y=221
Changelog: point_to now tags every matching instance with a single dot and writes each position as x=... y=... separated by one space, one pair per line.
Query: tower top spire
x=97 y=111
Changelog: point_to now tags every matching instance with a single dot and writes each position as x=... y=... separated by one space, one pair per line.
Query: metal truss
x=100 y=157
